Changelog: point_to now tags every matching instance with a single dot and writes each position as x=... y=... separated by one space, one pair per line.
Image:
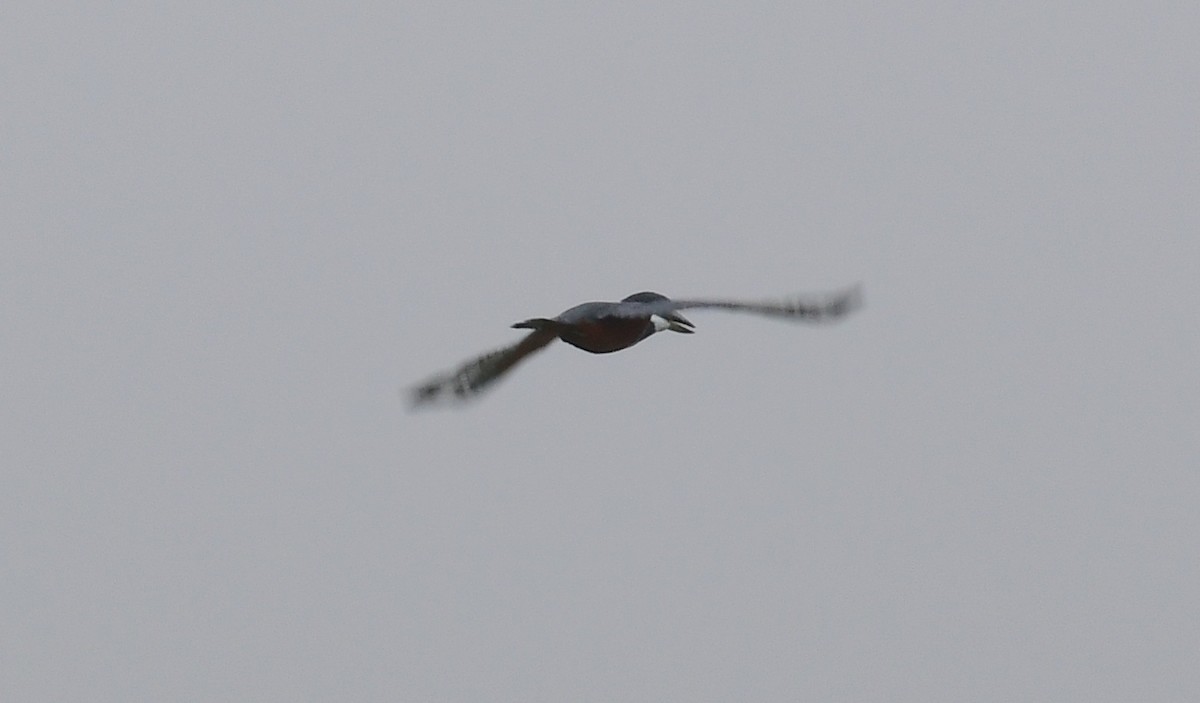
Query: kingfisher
x=603 y=328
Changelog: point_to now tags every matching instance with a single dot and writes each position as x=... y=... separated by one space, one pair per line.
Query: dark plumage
x=602 y=328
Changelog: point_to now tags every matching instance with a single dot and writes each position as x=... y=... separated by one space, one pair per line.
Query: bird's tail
x=536 y=323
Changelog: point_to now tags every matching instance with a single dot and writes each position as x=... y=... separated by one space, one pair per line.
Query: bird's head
x=672 y=321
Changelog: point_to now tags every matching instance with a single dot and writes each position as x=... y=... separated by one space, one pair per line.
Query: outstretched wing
x=811 y=308
x=474 y=376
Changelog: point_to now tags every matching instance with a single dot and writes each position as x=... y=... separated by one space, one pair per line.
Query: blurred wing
x=474 y=376
x=810 y=308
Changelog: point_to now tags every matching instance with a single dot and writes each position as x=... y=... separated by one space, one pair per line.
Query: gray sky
x=232 y=233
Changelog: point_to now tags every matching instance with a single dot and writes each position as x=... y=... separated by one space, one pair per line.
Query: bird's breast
x=607 y=334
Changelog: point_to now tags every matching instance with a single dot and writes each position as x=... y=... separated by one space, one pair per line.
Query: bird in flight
x=601 y=328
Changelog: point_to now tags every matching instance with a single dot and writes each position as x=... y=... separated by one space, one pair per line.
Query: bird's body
x=602 y=328
x=605 y=335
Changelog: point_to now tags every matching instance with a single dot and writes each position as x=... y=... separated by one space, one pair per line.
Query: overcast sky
x=233 y=233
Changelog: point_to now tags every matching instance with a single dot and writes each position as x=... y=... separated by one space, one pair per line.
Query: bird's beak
x=678 y=323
